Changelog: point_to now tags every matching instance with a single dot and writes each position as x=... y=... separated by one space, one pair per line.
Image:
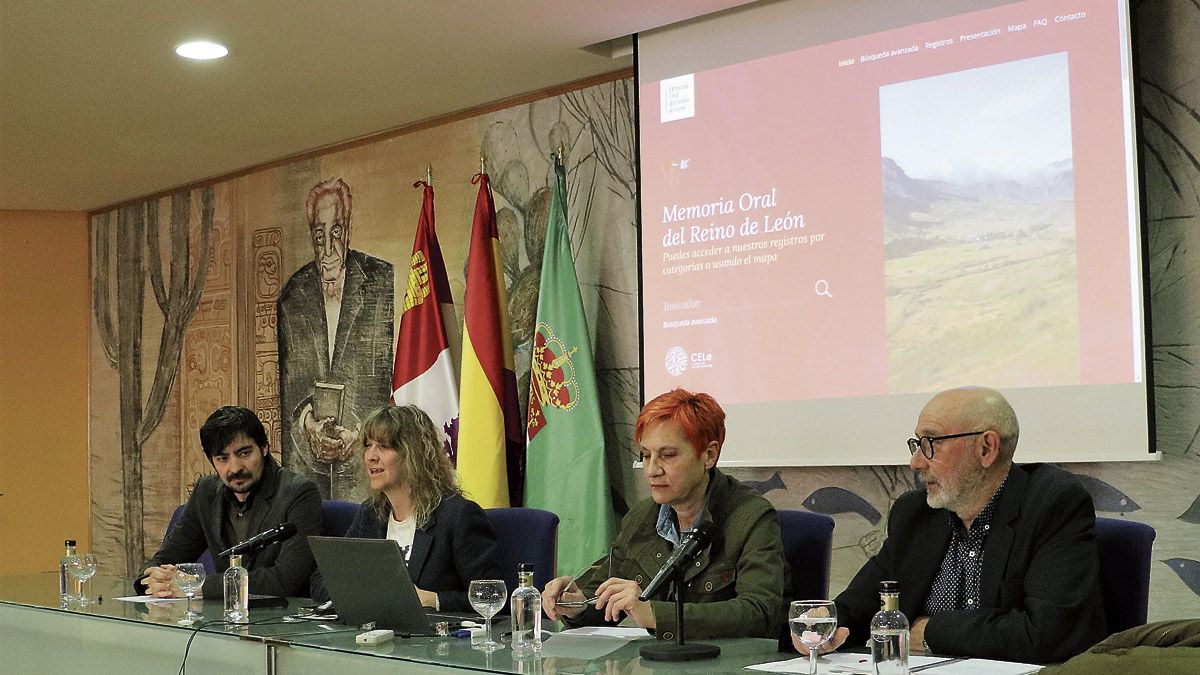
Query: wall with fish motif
x=237 y=242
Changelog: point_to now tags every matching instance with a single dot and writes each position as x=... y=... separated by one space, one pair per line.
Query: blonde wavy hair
x=424 y=466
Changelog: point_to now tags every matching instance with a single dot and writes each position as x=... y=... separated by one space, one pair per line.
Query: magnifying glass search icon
x=822 y=288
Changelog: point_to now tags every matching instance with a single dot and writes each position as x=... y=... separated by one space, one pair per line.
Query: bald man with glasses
x=994 y=560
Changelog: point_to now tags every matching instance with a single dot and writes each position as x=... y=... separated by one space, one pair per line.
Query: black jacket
x=282 y=496
x=1039 y=592
x=456 y=546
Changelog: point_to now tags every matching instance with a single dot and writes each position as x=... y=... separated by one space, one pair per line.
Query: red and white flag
x=424 y=373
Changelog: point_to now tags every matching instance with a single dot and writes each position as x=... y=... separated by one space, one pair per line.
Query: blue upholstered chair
x=206 y=558
x=808 y=546
x=525 y=536
x=336 y=516
x=1125 y=547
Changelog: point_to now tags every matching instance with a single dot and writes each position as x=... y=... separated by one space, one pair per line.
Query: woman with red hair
x=736 y=587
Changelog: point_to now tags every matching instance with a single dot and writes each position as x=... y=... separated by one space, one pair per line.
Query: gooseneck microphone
x=693 y=543
x=277 y=533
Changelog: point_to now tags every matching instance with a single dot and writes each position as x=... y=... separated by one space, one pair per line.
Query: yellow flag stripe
x=481 y=443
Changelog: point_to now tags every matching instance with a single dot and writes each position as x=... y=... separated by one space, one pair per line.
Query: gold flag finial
x=482 y=164
x=429 y=174
x=559 y=155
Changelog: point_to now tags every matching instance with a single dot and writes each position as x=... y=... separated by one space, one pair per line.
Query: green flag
x=565 y=470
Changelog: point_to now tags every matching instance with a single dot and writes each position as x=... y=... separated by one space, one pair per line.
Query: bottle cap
x=525 y=567
x=889 y=587
x=70 y=542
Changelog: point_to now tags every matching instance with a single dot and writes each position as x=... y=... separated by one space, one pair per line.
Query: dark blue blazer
x=456 y=546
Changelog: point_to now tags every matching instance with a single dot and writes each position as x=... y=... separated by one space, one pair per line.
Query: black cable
x=204 y=624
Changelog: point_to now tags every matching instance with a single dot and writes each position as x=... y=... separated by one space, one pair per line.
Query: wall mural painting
x=307 y=339
x=593 y=128
x=1167 y=494
x=334 y=326
x=303 y=370
x=134 y=258
x=266 y=264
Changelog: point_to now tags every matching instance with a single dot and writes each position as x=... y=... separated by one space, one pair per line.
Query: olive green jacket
x=736 y=586
x=1163 y=648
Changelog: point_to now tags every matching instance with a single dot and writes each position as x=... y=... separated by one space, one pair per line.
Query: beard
x=240 y=475
x=953 y=498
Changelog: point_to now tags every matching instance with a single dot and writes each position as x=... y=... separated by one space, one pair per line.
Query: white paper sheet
x=610 y=632
x=150 y=600
x=838 y=664
x=984 y=667
x=591 y=642
x=860 y=664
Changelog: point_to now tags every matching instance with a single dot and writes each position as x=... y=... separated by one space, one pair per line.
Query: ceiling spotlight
x=201 y=50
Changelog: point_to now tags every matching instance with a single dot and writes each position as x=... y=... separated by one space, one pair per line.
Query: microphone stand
x=679 y=651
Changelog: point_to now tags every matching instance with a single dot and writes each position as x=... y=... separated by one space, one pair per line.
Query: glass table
x=111 y=636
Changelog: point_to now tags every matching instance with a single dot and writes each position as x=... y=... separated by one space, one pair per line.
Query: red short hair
x=698 y=415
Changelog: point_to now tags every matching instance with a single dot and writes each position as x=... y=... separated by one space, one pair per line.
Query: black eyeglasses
x=925 y=443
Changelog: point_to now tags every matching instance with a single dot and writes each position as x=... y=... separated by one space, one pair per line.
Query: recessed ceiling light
x=201 y=50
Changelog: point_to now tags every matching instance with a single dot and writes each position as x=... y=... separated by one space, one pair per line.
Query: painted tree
x=138 y=256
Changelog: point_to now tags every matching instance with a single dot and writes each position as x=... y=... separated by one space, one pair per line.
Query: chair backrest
x=336 y=516
x=525 y=536
x=808 y=546
x=1125 y=549
x=205 y=558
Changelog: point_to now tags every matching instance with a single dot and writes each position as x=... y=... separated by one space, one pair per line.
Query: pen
x=945 y=662
x=575 y=582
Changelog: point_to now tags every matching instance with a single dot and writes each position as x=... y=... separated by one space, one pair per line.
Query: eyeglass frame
x=919 y=442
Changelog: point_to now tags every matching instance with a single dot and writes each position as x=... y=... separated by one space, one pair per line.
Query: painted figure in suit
x=250 y=493
x=335 y=346
x=993 y=560
x=446 y=538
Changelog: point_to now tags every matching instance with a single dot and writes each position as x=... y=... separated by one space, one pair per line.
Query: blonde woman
x=446 y=538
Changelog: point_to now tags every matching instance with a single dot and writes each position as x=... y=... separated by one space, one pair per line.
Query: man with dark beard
x=993 y=560
x=249 y=493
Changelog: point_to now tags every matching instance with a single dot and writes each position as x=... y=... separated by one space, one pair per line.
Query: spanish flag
x=491 y=458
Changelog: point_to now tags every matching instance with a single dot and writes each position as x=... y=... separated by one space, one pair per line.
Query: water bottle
x=526 y=614
x=889 y=633
x=237 y=591
x=66 y=583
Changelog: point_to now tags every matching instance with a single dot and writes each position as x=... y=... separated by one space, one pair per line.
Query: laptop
x=368 y=581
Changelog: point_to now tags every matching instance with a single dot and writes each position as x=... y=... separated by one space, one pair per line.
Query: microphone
x=277 y=533
x=692 y=544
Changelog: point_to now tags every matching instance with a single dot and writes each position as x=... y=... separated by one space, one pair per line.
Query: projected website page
x=833 y=233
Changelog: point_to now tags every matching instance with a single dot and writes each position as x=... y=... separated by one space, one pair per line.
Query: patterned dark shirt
x=957 y=583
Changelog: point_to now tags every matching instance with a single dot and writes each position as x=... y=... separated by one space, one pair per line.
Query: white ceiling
x=95 y=108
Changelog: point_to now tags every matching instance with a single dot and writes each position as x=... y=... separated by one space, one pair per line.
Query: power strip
x=374 y=637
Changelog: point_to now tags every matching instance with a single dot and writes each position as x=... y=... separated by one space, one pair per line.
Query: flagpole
x=429 y=174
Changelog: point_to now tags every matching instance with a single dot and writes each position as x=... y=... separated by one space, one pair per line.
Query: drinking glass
x=487 y=596
x=189 y=577
x=813 y=622
x=81 y=568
